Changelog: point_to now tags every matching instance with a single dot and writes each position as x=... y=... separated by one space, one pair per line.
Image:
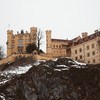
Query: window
x=28 y=40
x=75 y=51
x=76 y=58
x=20 y=40
x=80 y=56
x=93 y=60
x=80 y=50
x=54 y=46
x=93 y=45
x=88 y=62
x=87 y=47
x=93 y=53
x=88 y=54
x=20 y=45
x=59 y=46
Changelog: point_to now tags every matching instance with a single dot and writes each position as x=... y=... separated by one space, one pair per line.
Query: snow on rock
x=38 y=62
x=4 y=81
x=2 y=97
x=57 y=69
x=18 y=70
x=62 y=66
x=9 y=73
x=55 y=59
x=79 y=63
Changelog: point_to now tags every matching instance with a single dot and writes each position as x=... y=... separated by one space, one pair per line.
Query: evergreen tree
x=30 y=48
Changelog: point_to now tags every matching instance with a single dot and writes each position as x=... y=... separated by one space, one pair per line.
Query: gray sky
x=66 y=18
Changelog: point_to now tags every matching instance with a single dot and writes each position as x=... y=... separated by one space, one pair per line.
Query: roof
x=85 y=39
x=60 y=40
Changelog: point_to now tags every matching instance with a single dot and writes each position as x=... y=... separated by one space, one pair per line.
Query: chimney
x=84 y=34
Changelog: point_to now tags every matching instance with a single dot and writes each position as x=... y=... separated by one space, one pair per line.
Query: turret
x=9 y=39
x=33 y=33
x=48 y=42
x=33 y=30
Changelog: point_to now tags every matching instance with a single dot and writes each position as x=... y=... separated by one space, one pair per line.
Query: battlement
x=9 y=31
x=33 y=29
x=48 y=31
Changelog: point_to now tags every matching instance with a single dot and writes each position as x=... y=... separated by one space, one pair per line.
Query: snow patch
x=4 y=81
x=46 y=65
x=2 y=96
x=38 y=62
x=18 y=70
x=9 y=73
x=55 y=59
x=62 y=66
x=57 y=69
x=79 y=63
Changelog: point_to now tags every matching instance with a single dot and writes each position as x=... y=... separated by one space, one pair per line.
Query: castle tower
x=33 y=33
x=48 y=42
x=9 y=42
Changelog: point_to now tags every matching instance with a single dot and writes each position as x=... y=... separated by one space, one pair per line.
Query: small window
x=80 y=56
x=54 y=46
x=76 y=58
x=93 y=45
x=87 y=47
x=93 y=60
x=93 y=53
x=20 y=40
x=57 y=46
x=75 y=51
x=88 y=54
x=80 y=50
x=88 y=62
x=20 y=45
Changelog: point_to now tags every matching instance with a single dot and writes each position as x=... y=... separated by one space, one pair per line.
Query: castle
x=84 y=49
x=16 y=43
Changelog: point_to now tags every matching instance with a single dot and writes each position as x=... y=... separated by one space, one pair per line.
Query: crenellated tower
x=48 y=42
x=33 y=34
x=9 y=42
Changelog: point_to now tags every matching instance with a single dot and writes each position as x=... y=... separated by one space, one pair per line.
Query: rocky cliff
x=61 y=79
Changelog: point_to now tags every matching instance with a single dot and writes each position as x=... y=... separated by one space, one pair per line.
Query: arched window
x=92 y=45
x=75 y=51
x=80 y=50
x=87 y=47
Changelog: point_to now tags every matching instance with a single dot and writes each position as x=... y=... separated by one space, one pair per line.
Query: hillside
x=60 y=79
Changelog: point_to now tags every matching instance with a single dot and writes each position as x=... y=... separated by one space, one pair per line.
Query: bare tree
x=39 y=39
x=1 y=53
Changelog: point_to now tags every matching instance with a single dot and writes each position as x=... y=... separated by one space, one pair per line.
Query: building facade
x=84 y=49
x=55 y=47
x=16 y=43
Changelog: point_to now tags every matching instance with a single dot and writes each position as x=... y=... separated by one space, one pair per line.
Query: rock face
x=63 y=79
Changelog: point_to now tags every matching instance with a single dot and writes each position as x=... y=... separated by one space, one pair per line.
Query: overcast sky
x=66 y=18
